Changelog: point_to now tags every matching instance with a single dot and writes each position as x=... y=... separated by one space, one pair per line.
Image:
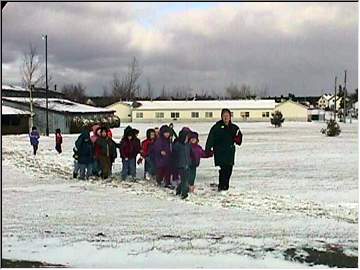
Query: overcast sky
x=286 y=47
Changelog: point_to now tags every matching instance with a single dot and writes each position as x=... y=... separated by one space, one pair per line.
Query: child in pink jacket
x=196 y=154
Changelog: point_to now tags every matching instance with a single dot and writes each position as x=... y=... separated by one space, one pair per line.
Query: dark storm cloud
x=287 y=47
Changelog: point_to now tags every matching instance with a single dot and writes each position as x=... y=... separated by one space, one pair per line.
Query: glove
x=140 y=160
x=238 y=139
x=209 y=153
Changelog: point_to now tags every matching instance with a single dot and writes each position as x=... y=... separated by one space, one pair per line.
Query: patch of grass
x=6 y=263
x=332 y=257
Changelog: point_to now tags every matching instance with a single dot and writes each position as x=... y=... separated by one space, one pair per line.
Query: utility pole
x=47 y=87
x=335 y=98
x=31 y=107
x=345 y=97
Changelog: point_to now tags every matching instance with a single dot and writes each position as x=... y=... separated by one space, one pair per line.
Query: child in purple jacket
x=161 y=152
x=34 y=139
x=196 y=154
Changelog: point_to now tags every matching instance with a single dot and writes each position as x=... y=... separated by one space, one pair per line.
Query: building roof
x=128 y=103
x=327 y=96
x=60 y=105
x=13 y=87
x=7 y=110
x=205 y=104
x=290 y=101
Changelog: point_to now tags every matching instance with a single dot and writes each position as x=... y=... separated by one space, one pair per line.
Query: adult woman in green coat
x=221 y=139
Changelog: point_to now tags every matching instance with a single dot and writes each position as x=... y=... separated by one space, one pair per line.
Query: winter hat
x=194 y=135
x=33 y=128
x=186 y=129
x=135 y=131
x=182 y=135
x=127 y=131
x=164 y=129
x=224 y=111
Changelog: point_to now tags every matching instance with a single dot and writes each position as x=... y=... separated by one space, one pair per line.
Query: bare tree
x=262 y=92
x=127 y=88
x=74 y=92
x=242 y=92
x=105 y=92
x=118 y=89
x=51 y=83
x=131 y=79
x=163 y=93
x=30 y=68
x=149 y=90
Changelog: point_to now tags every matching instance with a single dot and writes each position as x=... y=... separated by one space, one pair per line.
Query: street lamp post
x=46 y=87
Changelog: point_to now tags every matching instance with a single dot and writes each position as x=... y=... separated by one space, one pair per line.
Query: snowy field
x=293 y=199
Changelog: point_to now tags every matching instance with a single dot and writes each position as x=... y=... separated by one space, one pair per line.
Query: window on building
x=245 y=114
x=159 y=115
x=194 y=114
x=139 y=115
x=175 y=115
x=265 y=114
x=208 y=114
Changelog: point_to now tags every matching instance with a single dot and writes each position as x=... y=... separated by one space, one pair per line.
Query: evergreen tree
x=277 y=119
x=332 y=129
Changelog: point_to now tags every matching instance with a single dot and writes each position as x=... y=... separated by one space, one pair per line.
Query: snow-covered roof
x=205 y=104
x=7 y=110
x=12 y=87
x=128 y=103
x=60 y=105
x=327 y=96
x=296 y=103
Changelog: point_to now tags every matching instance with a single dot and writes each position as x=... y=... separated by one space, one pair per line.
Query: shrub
x=277 y=119
x=332 y=129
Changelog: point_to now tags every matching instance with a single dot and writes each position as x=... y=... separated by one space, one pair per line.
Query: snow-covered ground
x=292 y=188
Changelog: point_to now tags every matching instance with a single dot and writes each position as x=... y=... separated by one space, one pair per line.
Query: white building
x=206 y=110
x=67 y=115
x=202 y=110
x=328 y=101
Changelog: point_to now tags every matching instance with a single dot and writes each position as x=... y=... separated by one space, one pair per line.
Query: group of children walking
x=169 y=158
x=94 y=155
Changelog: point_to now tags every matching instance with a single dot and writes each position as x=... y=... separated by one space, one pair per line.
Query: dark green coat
x=221 y=139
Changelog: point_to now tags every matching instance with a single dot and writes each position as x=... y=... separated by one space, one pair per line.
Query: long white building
x=207 y=110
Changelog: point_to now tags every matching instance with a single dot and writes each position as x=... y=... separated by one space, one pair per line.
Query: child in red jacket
x=126 y=154
x=145 y=153
x=58 y=140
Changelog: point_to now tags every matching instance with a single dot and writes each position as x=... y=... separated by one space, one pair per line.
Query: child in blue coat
x=34 y=139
